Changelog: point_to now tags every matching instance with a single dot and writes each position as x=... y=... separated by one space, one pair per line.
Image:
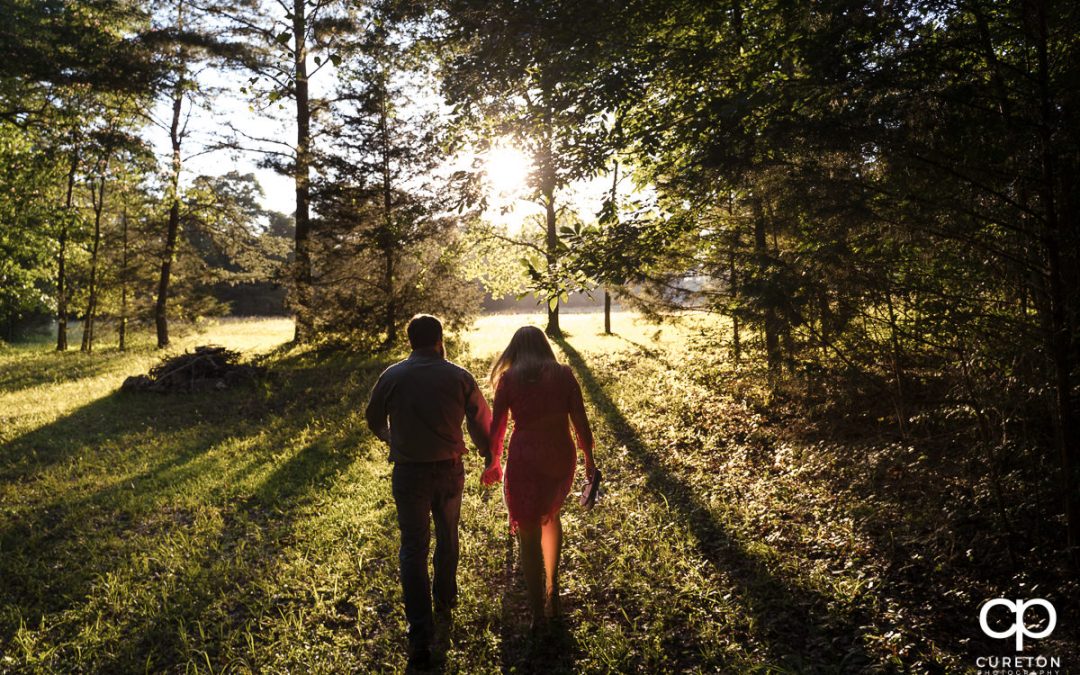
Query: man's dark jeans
x=422 y=492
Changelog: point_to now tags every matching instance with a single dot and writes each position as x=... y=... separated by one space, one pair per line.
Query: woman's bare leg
x=551 y=544
x=532 y=566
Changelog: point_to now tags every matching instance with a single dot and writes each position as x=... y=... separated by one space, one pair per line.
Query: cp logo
x=1019 y=628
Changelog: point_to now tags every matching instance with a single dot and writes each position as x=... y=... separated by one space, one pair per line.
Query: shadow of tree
x=227 y=587
x=127 y=470
x=796 y=624
x=939 y=554
x=116 y=418
x=35 y=367
x=57 y=526
x=555 y=651
x=654 y=354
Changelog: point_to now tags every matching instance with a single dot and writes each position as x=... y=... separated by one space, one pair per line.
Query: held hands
x=492 y=474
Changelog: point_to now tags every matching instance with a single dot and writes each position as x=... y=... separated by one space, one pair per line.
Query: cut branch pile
x=207 y=368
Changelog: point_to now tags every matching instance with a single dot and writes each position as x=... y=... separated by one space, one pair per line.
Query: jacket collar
x=425 y=353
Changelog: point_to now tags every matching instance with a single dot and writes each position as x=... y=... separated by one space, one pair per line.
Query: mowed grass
x=253 y=529
x=38 y=384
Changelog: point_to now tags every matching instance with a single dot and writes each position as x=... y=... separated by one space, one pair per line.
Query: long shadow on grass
x=797 y=627
x=43 y=365
x=114 y=418
x=554 y=652
x=653 y=354
x=56 y=551
x=45 y=562
x=230 y=586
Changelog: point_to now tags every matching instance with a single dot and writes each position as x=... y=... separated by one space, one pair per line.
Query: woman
x=544 y=399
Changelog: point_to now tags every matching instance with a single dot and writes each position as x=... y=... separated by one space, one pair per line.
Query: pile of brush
x=207 y=368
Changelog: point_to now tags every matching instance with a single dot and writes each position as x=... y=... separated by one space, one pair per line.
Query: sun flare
x=507 y=170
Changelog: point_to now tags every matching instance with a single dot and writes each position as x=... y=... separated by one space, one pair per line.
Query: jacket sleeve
x=376 y=414
x=477 y=417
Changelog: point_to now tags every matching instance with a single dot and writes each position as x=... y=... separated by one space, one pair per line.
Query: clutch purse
x=590 y=491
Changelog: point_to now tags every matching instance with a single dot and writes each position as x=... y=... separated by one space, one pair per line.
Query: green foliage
x=386 y=245
x=265 y=43
x=103 y=44
x=225 y=251
x=223 y=222
x=25 y=245
x=488 y=260
x=829 y=176
x=520 y=71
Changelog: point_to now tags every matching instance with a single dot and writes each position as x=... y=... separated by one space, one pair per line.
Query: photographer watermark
x=1019 y=627
x=1016 y=626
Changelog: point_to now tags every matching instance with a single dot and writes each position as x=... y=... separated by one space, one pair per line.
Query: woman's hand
x=590 y=468
x=492 y=474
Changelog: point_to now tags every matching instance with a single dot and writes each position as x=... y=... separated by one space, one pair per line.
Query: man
x=426 y=398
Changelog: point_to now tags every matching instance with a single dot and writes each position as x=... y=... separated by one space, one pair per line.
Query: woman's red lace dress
x=541 y=460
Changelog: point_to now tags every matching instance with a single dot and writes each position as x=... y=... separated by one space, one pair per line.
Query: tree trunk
x=615 y=219
x=302 y=269
x=97 y=196
x=552 y=239
x=1066 y=434
x=553 y=329
x=733 y=275
x=167 y=256
x=389 y=310
x=61 y=259
x=733 y=272
x=123 y=280
x=172 y=233
x=388 y=223
x=897 y=364
x=548 y=190
x=607 y=312
x=772 y=328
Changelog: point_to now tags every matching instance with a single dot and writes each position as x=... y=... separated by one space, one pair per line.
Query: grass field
x=253 y=529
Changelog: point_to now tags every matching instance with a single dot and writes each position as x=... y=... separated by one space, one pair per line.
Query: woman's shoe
x=554 y=607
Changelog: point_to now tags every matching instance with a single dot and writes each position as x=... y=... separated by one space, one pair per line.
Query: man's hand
x=492 y=474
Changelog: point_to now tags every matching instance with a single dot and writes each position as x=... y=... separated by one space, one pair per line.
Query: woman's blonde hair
x=528 y=355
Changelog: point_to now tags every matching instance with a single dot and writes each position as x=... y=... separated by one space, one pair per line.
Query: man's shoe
x=444 y=626
x=420 y=661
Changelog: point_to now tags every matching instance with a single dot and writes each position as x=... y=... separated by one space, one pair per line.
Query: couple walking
x=417 y=407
